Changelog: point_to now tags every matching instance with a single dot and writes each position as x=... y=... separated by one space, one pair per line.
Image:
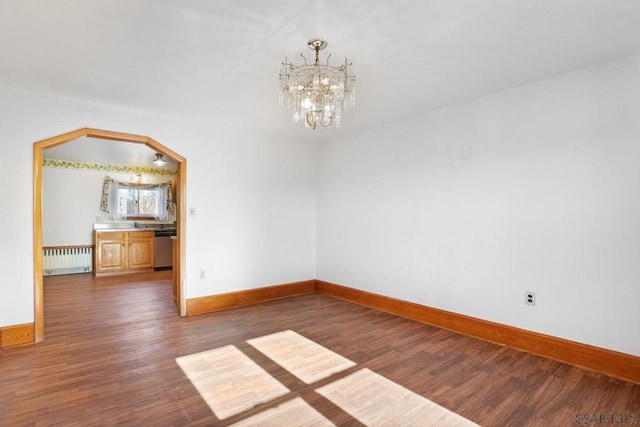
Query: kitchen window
x=136 y=201
x=142 y=202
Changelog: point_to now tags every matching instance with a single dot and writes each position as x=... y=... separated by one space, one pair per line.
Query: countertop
x=134 y=226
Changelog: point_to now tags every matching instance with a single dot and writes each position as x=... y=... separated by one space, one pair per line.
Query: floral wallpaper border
x=69 y=164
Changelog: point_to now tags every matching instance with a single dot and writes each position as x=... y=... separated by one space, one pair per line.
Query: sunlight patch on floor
x=307 y=360
x=295 y=411
x=377 y=401
x=229 y=381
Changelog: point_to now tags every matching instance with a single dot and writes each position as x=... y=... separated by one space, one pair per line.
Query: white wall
x=463 y=209
x=71 y=202
x=255 y=197
x=466 y=208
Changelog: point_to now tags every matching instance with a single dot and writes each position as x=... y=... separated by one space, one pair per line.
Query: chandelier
x=317 y=93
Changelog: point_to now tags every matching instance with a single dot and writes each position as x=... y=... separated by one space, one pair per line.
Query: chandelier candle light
x=317 y=93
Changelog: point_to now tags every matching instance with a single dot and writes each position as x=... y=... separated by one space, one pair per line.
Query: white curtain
x=152 y=200
x=117 y=200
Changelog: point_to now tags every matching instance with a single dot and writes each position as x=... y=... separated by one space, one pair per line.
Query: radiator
x=70 y=260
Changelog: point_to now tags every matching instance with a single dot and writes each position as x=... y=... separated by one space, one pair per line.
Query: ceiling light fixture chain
x=317 y=93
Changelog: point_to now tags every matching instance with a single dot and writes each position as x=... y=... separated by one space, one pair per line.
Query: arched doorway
x=180 y=187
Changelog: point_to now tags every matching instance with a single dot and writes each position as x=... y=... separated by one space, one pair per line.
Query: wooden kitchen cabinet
x=140 y=251
x=110 y=252
x=123 y=252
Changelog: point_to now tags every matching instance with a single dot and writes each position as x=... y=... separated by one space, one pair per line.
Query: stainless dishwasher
x=163 y=249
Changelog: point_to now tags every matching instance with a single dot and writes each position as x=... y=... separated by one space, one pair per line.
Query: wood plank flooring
x=110 y=347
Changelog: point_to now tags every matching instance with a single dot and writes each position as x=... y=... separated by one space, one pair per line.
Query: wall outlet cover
x=530 y=298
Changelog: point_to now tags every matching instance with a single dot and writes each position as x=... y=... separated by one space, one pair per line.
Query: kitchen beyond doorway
x=180 y=187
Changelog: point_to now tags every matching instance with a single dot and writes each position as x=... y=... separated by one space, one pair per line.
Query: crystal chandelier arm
x=328 y=123
x=311 y=123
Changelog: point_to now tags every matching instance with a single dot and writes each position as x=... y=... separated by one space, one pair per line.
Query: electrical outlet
x=530 y=298
x=203 y=274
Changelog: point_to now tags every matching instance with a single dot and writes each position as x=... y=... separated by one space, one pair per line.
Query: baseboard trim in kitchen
x=211 y=303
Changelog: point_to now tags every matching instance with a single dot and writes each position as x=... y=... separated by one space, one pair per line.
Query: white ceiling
x=217 y=61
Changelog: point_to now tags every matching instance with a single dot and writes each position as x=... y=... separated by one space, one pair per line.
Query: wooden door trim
x=180 y=187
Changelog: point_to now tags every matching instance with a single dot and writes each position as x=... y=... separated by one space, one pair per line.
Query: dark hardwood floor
x=110 y=346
